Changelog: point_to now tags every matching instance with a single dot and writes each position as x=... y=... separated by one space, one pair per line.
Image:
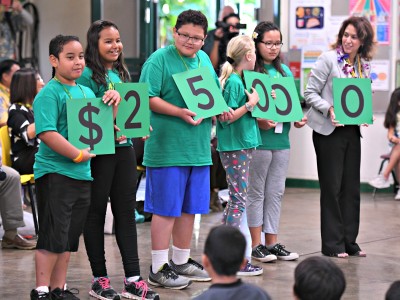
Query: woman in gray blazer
x=337 y=147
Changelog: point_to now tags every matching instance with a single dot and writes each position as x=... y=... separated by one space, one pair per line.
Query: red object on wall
x=294 y=66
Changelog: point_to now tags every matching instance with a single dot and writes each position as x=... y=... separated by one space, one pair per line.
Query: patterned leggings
x=236 y=165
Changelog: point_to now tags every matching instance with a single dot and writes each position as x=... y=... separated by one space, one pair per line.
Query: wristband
x=79 y=158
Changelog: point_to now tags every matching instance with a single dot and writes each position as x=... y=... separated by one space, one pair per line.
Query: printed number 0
x=259 y=82
x=129 y=124
x=199 y=91
x=344 y=103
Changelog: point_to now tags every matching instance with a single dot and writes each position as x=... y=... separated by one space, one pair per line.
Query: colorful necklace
x=184 y=61
x=65 y=89
x=348 y=68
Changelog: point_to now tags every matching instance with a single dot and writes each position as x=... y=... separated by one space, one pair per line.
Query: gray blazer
x=319 y=91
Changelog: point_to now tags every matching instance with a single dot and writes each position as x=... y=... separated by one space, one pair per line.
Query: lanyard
x=111 y=85
x=184 y=61
x=65 y=89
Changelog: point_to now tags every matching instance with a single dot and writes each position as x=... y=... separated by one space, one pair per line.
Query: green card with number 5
x=133 y=117
x=200 y=92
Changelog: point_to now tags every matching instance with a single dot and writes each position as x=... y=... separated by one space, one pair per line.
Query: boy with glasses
x=177 y=156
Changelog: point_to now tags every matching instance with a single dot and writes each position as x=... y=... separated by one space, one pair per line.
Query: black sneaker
x=101 y=289
x=36 y=295
x=282 y=254
x=166 y=277
x=262 y=254
x=138 y=290
x=58 y=293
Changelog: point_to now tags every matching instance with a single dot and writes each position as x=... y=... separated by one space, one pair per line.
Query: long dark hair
x=258 y=36
x=56 y=46
x=365 y=34
x=23 y=86
x=392 y=110
x=92 y=55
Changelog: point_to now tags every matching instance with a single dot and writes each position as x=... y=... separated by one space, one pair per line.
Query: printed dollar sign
x=89 y=109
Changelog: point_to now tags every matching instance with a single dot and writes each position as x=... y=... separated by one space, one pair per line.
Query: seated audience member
x=25 y=84
x=393 y=293
x=11 y=210
x=7 y=69
x=223 y=268
x=317 y=278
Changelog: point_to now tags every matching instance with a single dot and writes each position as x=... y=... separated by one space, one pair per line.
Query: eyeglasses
x=269 y=45
x=185 y=38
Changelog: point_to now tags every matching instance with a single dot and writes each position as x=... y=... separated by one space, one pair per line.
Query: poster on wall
x=380 y=74
x=309 y=20
x=378 y=13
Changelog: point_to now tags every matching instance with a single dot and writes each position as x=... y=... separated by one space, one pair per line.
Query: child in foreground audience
x=223 y=257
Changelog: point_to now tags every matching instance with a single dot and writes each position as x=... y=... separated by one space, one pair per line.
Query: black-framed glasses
x=269 y=45
x=185 y=38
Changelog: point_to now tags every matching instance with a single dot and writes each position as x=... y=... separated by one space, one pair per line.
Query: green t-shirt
x=50 y=109
x=270 y=139
x=244 y=132
x=99 y=90
x=173 y=142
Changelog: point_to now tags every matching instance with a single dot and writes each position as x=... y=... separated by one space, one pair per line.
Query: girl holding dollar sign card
x=270 y=159
x=114 y=175
x=238 y=137
x=62 y=172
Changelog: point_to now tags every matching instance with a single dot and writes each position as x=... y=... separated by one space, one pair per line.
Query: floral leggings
x=236 y=165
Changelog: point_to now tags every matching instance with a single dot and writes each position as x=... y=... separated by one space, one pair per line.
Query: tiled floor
x=367 y=278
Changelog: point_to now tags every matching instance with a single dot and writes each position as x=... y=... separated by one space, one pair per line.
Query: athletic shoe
x=138 y=290
x=166 y=277
x=282 y=254
x=250 y=270
x=192 y=270
x=262 y=254
x=101 y=289
x=17 y=243
x=58 y=293
x=36 y=295
x=397 y=197
x=380 y=182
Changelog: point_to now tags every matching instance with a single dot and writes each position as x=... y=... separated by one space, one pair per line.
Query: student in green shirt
x=62 y=172
x=238 y=137
x=177 y=156
x=271 y=158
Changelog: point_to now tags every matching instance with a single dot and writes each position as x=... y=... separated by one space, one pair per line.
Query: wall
x=374 y=142
x=70 y=17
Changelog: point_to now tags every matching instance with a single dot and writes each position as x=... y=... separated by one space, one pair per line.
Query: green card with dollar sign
x=133 y=117
x=91 y=125
x=200 y=92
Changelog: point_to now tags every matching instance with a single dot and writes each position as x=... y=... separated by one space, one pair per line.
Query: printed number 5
x=199 y=91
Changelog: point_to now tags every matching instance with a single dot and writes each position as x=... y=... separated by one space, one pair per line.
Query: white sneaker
x=380 y=182
x=397 y=197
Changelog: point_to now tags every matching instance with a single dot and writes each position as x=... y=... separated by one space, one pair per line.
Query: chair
x=385 y=158
x=26 y=179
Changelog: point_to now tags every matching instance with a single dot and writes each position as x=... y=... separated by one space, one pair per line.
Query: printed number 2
x=129 y=124
x=199 y=91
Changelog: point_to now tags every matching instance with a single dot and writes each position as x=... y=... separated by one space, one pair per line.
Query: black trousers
x=115 y=177
x=338 y=161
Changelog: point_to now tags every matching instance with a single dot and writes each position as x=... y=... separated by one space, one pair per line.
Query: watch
x=249 y=107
